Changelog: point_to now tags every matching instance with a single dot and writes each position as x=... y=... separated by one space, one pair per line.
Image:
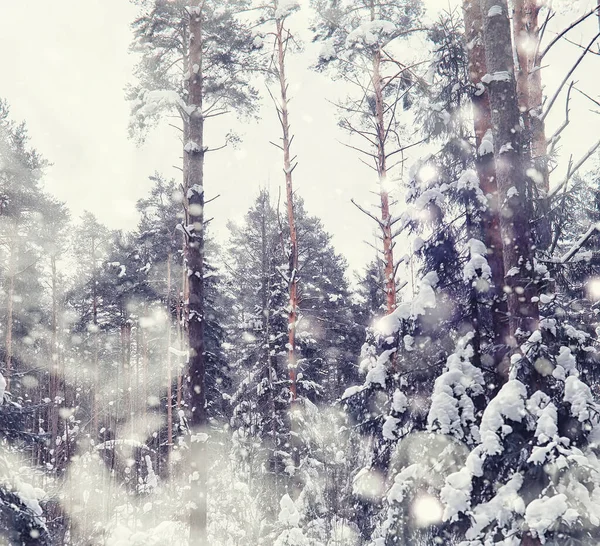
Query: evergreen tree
x=326 y=337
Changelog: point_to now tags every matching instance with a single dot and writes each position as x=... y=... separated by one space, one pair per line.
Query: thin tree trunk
x=10 y=309
x=486 y=171
x=54 y=365
x=169 y=371
x=514 y=218
x=180 y=310
x=266 y=316
x=96 y=339
x=281 y=39
x=193 y=176
x=144 y=397
x=128 y=376
x=136 y=405
x=9 y=326
x=183 y=294
x=388 y=244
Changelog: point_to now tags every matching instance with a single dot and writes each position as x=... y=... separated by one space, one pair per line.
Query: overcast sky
x=65 y=64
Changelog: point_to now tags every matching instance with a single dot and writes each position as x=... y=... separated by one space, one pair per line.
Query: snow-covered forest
x=202 y=377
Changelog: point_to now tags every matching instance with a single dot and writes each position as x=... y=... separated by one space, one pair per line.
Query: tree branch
x=566 y=78
x=379 y=222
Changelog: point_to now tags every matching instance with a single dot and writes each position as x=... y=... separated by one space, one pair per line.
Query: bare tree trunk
x=521 y=30
x=539 y=144
x=10 y=307
x=128 y=377
x=144 y=397
x=180 y=310
x=96 y=340
x=486 y=170
x=530 y=94
x=136 y=399
x=386 y=224
x=194 y=151
x=54 y=363
x=266 y=316
x=529 y=81
x=514 y=217
x=169 y=371
x=281 y=40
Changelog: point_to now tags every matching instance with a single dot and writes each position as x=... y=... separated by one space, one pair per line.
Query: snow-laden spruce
x=452 y=409
x=540 y=447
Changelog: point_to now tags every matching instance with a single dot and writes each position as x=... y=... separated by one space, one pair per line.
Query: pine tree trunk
x=281 y=44
x=54 y=366
x=10 y=308
x=144 y=397
x=182 y=297
x=96 y=363
x=530 y=94
x=136 y=404
x=388 y=244
x=514 y=218
x=193 y=177
x=128 y=378
x=486 y=170
x=169 y=371
x=521 y=31
x=266 y=316
x=529 y=82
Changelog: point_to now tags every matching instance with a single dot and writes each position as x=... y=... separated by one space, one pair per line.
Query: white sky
x=65 y=65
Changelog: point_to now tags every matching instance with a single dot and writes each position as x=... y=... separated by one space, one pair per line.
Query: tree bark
x=194 y=152
x=386 y=227
x=529 y=81
x=54 y=363
x=182 y=296
x=281 y=38
x=169 y=371
x=486 y=170
x=529 y=90
x=510 y=176
x=144 y=385
x=266 y=314
x=10 y=307
x=96 y=363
